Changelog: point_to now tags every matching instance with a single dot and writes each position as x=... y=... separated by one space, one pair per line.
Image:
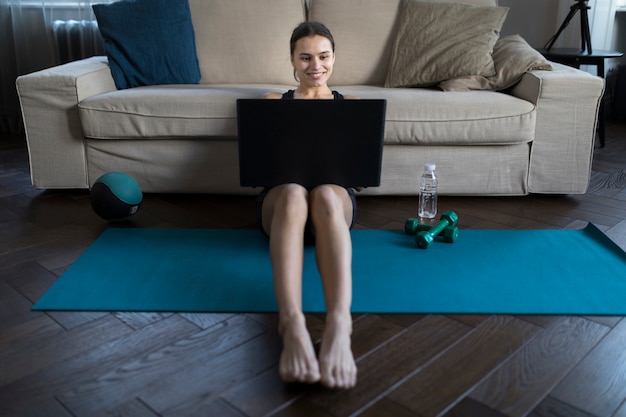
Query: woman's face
x=313 y=60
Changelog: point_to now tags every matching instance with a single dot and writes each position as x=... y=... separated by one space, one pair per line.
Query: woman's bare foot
x=297 y=361
x=337 y=366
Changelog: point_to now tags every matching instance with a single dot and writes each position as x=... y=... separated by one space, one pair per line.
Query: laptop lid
x=310 y=142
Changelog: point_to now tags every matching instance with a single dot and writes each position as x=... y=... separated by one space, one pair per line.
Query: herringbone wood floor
x=92 y=364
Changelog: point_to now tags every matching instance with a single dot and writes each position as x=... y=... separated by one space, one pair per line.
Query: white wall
x=538 y=20
x=535 y=20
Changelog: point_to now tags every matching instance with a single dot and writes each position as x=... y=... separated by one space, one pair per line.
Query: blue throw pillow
x=149 y=42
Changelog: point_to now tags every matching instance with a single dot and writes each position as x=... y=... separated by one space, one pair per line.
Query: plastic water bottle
x=428 y=193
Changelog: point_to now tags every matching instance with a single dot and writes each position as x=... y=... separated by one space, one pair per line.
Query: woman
x=289 y=212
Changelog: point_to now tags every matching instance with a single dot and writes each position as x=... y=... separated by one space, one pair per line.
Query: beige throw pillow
x=440 y=41
x=512 y=57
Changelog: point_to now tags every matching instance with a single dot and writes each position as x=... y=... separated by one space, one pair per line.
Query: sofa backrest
x=364 y=31
x=245 y=42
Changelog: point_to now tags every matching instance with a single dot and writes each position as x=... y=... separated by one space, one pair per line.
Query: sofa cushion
x=414 y=116
x=241 y=41
x=169 y=57
x=440 y=41
x=512 y=57
x=424 y=116
x=167 y=111
x=364 y=31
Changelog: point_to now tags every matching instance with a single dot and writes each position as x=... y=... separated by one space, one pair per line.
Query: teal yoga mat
x=485 y=271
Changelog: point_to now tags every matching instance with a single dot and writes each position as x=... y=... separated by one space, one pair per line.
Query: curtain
x=30 y=40
x=602 y=21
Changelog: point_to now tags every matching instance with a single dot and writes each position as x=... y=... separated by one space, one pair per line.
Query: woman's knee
x=284 y=203
x=329 y=201
x=292 y=199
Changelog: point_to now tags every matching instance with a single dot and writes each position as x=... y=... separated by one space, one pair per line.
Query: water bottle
x=428 y=193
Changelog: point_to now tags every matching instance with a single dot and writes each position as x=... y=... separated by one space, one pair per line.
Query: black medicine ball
x=116 y=196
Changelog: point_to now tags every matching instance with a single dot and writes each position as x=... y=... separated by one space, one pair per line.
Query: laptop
x=310 y=142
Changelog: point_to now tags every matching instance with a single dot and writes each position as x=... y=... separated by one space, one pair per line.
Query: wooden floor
x=92 y=364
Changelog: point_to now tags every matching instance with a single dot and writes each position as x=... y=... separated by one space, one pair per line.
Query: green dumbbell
x=412 y=226
x=448 y=221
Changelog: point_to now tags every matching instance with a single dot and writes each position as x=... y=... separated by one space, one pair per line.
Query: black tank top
x=289 y=95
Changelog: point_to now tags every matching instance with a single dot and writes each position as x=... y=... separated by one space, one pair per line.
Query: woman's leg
x=331 y=212
x=284 y=215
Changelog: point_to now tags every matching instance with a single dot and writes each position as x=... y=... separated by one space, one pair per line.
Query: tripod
x=585 y=34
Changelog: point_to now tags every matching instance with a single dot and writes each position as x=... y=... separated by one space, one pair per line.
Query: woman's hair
x=306 y=29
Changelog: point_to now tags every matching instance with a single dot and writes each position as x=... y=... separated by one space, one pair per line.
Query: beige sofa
x=536 y=137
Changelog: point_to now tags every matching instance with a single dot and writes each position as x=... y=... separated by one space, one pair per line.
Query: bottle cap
x=430 y=167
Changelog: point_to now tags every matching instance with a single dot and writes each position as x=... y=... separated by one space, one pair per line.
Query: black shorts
x=309 y=233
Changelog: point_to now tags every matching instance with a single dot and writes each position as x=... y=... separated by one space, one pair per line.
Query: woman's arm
x=273 y=95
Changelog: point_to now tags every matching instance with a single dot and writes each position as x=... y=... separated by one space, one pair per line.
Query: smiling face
x=313 y=59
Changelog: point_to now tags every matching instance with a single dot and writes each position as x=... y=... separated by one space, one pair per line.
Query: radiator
x=76 y=39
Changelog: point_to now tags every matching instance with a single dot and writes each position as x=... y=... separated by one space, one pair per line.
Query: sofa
x=533 y=132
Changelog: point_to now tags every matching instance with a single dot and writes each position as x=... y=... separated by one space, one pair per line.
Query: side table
x=575 y=58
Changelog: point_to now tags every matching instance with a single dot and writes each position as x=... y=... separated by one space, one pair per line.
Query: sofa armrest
x=49 y=100
x=567 y=102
